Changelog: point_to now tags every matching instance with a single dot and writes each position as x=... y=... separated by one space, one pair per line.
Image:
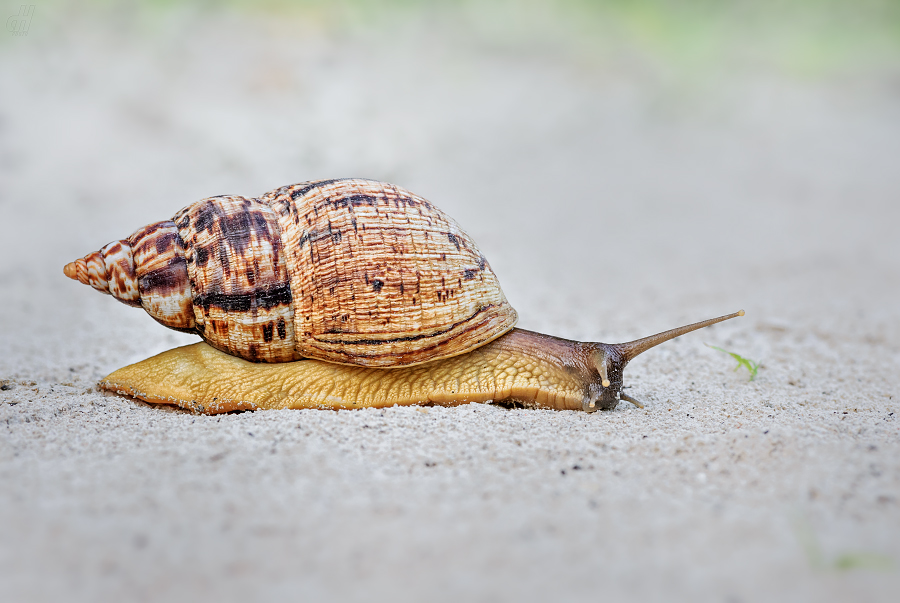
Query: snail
x=344 y=293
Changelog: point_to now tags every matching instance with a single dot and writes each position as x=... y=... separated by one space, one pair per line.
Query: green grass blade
x=751 y=366
x=872 y=561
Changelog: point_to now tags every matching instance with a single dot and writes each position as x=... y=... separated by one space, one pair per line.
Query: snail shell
x=350 y=271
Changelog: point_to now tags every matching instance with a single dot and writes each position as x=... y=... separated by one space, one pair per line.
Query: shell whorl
x=381 y=277
x=239 y=278
x=350 y=271
x=147 y=270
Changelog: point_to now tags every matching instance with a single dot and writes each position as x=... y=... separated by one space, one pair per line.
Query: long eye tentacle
x=633 y=348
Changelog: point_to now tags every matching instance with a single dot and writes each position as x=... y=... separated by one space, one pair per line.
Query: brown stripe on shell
x=96 y=272
x=377 y=276
x=122 y=280
x=79 y=268
x=483 y=327
x=238 y=277
x=162 y=275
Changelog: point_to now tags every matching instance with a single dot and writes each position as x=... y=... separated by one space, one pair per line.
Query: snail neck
x=598 y=366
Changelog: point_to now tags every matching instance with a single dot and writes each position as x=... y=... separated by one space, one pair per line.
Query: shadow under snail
x=343 y=293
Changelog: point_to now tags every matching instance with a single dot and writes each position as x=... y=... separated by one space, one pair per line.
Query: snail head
x=604 y=390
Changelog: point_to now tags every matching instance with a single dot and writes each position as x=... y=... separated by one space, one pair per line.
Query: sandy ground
x=612 y=202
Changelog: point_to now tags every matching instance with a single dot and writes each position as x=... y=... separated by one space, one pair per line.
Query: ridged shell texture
x=350 y=271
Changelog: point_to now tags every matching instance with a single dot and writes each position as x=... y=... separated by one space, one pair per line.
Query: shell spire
x=110 y=270
x=145 y=270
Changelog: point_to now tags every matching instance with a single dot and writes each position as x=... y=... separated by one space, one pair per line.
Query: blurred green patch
x=802 y=37
x=751 y=366
x=873 y=561
x=844 y=562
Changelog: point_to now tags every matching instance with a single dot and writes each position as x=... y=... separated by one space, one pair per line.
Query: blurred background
x=626 y=166
x=747 y=150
